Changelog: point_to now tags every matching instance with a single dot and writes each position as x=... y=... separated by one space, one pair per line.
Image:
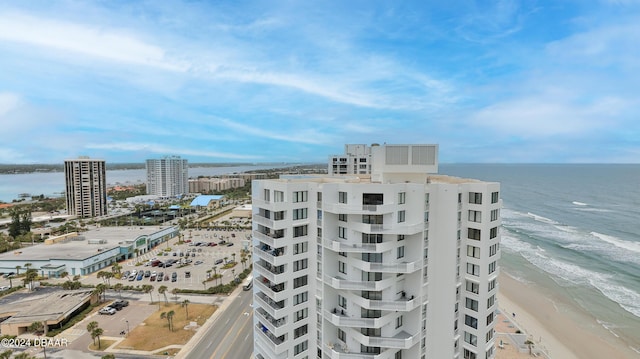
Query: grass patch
x=155 y=333
x=170 y=352
x=104 y=344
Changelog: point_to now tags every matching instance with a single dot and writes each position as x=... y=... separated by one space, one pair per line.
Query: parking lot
x=201 y=254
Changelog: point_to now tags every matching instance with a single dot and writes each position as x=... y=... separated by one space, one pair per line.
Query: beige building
x=210 y=185
x=86 y=187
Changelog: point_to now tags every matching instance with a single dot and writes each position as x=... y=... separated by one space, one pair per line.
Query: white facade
x=86 y=187
x=168 y=176
x=396 y=264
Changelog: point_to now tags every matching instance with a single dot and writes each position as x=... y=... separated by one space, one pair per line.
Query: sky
x=293 y=81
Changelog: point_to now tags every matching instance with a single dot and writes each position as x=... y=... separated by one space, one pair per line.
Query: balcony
x=337 y=351
x=341 y=283
x=272 y=307
x=270 y=205
x=403 y=267
x=338 y=318
x=391 y=228
x=272 y=344
x=275 y=292
x=271 y=238
x=268 y=222
x=274 y=326
x=343 y=208
x=402 y=340
x=403 y=304
x=273 y=274
x=274 y=257
x=339 y=246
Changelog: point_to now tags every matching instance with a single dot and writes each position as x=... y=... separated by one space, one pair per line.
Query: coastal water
x=575 y=230
x=52 y=183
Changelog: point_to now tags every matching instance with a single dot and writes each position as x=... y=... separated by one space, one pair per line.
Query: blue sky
x=293 y=81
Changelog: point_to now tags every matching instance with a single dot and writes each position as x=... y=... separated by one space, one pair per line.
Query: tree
x=30 y=276
x=163 y=290
x=169 y=317
x=174 y=291
x=118 y=288
x=185 y=304
x=36 y=327
x=91 y=327
x=96 y=333
x=243 y=261
x=115 y=269
x=234 y=257
x=18 y=270
x=100 y=291
x=6 y=354
x=148 y=288
x=64 y=275
x=215 y=274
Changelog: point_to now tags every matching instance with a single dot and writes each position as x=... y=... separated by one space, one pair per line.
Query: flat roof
x=82 y=249
x=45 y=308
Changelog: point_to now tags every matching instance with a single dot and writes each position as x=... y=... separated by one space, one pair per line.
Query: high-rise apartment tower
x=86 y=187
x=168 y=176
x=397 y=263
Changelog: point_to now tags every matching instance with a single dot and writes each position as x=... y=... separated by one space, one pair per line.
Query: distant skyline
x=281 y=81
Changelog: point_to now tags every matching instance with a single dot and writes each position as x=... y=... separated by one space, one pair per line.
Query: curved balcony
x=404 y=304
x=402 y=267
x=340 y=246
x=336 y=351
x=345 y=284
x=337 y=318
x=402 y=340
x=392 y=228
x=343 y=208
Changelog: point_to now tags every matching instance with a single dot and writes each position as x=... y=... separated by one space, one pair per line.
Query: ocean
x=574 y=230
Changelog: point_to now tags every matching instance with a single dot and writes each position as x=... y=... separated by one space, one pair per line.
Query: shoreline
x=557 y=325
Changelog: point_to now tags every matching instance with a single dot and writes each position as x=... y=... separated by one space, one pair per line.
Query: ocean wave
x=602 y=210
x=579 y=203
x=631 y=246
x=541 y=219
x=626 y=298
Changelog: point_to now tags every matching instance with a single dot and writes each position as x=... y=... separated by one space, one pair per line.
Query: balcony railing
x=338 y=351
x=402 y=340
x=340 y=246
x=343 y=208
x=272 y=256
x=402 y=304
x=275 y=292
x=404 y=267
x=274 y=274
x=272 y=307
x=272 y=324
x=341 y=319
x=340 y=283
x=270 y=239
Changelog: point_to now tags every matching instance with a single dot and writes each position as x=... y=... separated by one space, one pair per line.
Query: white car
x=4 y=287
x=107 y=311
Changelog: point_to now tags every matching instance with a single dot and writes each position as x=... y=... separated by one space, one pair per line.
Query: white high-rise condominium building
x=86 y=187
x=168 y=176
x=397 y=263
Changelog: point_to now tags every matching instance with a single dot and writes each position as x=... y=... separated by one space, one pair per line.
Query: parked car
x=219 y=261
x=187 y=274
x=107 y=311
x=160 y=277
x=125 y=275
x=229 y=244
x=140 y=276
x=4 y=287
x=198 y=263
x=147 y=274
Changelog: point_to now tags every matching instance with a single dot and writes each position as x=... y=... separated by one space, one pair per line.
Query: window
x=492 y=285
x=475 y=216
x=300 y=196
x=471 y=339
x=319 y=194
x=473 y=287
x=471 y=304
x=492 y=267
x=342 y=197
x=372 y=199
x=372 y=257
x=489 y=335
x=491 y=301
x=402 y=197
x=473 y=251
x=372 y=295
x=371 y=238
x=493 y=249
x=490 y=318
x=267 y=195
x=473 y=233
x=473 y=269
x=300 y=298
x=495 y=196
x=300 y=314
x=469 y=354
x=300 y=331
x=398 y=355
x=493 y=232
x=372 y=219
x=342 y=267
x=278 y=196
x=495 y=213
x=401 y=216
x=489 y=353
x=475 y=197
x=401 y=252
x=300 y=231
x=342 y=232
x=300 y=247
x=471 y=321
x=300 y=348
x=400 y=237
x=459 y=197
x=426 y=198
x=300 y=264
x=278 y=216
x=342 y=335
x=398 y=322
x=371 y=276
x=342 y=217
x=342 y=302
x=299 y=282
x=299 y=213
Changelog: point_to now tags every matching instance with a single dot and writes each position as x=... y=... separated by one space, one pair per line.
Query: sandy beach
x=563 y=329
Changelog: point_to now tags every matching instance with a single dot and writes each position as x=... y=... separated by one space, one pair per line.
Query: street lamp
x=127 y=328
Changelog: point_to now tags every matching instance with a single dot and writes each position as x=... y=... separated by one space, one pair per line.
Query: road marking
x=235 y=338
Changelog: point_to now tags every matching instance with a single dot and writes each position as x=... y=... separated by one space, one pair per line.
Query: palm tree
x=243 y=260
x=91 y=327
x=148 y=288
x=163 y=290
x=215 y=274
x=174 y=291
x=96 y=333
x=36 y=327
x=65 y=275
x=169 y=317
x=233 y=271
x=185 y=304
x=101 y=290
x=18 y=270
x=116 y=268
x=118 y=288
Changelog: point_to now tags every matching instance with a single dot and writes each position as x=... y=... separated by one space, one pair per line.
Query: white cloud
x=107 y=44
x=308 y=136
x=160 y=149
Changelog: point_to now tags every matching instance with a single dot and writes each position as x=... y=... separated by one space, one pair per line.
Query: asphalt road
x=231 y=336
